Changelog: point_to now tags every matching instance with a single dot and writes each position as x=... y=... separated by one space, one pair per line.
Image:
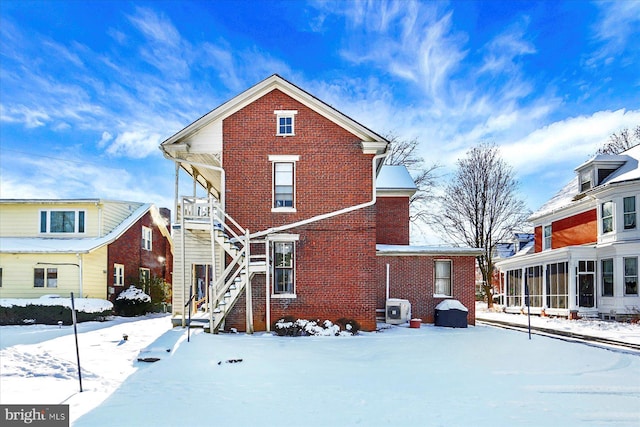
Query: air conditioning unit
x=397 y=311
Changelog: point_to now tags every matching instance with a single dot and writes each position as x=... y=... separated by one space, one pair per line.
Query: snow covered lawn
x=478 y=376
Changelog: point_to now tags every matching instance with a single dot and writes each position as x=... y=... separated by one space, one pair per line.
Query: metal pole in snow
x=528 y=301
x=75 y=332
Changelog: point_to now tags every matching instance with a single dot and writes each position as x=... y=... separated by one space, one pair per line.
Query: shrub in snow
x=290 y=327
x=132 y=302
x=52 y=310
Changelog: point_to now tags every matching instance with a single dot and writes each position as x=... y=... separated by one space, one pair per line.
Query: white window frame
x=144 y=275
x=435 y=278
x=285 y=114
x=118 y=274
x=547 y=236
x=610 y=217
x=633 y=213
x=624 y=267
x=47 y=282
x=586 y=180
x=273 y=240
x=79 y=221
x=147 y=238
x=275 y=159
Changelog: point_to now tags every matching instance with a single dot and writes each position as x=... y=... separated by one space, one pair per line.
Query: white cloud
x=570 y=141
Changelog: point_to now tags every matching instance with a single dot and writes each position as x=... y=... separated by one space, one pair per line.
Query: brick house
x=587 y=241
x=92 y=247
x=291 y=213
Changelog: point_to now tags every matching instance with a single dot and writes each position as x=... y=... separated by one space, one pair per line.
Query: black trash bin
x=452 y=314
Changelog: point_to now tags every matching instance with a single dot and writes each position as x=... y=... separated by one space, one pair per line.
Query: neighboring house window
x=534 y=283
x=45 y=277
x=285 y=122
x=629 y=207
x=145 y=275
x=514 y=288
x=118 y=275
x=62 y=221
x=546 y=232
x=283 y=268
x=146 y=238
x=284 y=178
x=443 y=278
x=607 y=217
x=607 y=277
x=557 y=285
x=631 y=276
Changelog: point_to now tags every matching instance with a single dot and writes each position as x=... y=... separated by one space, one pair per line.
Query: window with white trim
x=607 y=217
x=631 y=276
x=285 y=122
x=607 y=277
x=585 y=180
x=118 y=275
x=146 y=238
x=442 y=278
x=145 y=275
x=630 y=215
x=62 y=221
x=284 y=183
x=283 y=267
x=546 y=237
x=45 y=277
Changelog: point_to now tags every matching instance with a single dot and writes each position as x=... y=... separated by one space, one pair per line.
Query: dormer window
x=285 y=122
x=585 y=181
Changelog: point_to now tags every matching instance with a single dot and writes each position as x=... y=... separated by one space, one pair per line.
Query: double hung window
x=607 y=217
x=629 y=208
x=547 y=232
x=283 y=267
x=443 y=278
x=631 y=276
x=607 y=277
x=146 y=238
x=118 y=275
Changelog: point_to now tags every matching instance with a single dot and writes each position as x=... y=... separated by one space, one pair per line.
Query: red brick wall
x=335 y=258
x=412 y=278
x=392 y=220
x=575 y=230
x=127 y=250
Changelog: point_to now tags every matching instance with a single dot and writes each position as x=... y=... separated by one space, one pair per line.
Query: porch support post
x=268 y=283
x=247 y=288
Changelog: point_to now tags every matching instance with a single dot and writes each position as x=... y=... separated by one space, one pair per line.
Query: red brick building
x=289 y=211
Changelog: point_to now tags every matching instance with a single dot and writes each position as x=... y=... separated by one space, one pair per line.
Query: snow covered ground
x=479 y=376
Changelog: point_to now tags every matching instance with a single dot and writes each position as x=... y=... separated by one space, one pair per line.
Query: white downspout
x=268 y=282
x=79 y=257
x=387 y=281
x=329 y=214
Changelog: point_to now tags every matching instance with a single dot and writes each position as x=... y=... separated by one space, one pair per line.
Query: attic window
x=285 y=122
x=585 y=181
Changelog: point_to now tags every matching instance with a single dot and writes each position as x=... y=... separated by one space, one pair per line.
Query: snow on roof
x=562 y=198
x=566 y=196
x=69 y=245
x=425 y=250
x=451 y=304
x=395 y=177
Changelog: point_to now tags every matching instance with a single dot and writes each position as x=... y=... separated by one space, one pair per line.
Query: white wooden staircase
x=240 y=267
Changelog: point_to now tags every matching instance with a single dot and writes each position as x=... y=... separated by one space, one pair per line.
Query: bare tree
x=480 y=206
x=404 y=152
x=621 y=141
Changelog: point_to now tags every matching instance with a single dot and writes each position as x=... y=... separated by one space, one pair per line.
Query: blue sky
x=89 y=89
